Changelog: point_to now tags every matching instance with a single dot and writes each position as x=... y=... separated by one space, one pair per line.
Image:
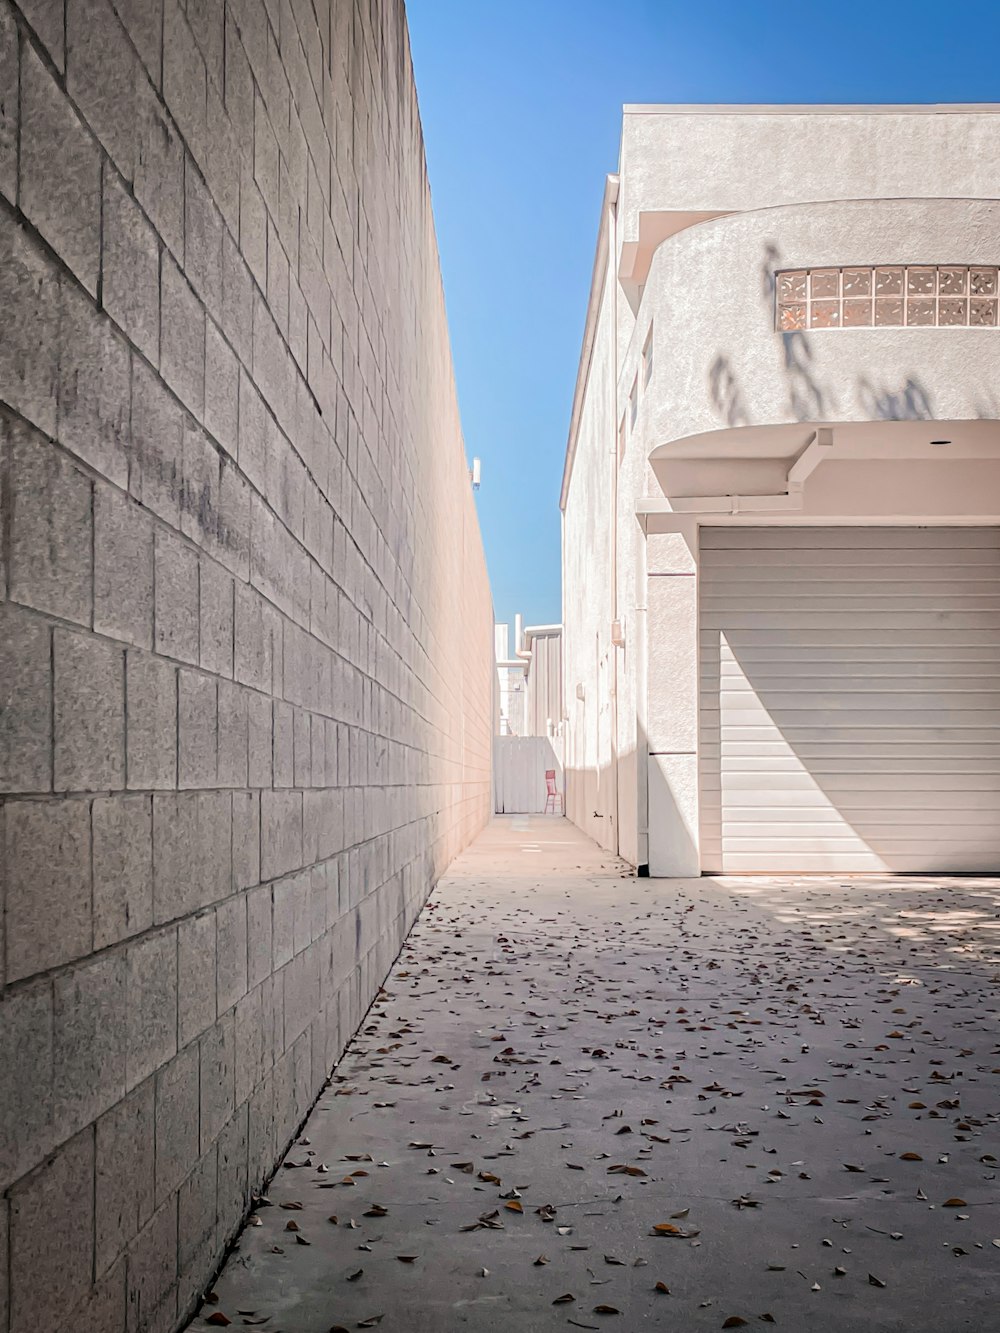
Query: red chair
x=553 y=796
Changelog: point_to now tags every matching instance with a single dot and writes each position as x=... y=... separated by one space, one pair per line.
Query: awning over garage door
x=850 y=699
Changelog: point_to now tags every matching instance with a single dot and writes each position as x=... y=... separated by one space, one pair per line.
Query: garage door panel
x=850 y=701
x=847 y=538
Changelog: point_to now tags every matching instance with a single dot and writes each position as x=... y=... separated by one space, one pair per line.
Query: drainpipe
x=613 y=270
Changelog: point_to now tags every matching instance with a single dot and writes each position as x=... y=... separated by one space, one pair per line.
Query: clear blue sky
x=521 y=106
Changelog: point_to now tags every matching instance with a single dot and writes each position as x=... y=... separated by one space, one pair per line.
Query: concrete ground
x=589 y=1101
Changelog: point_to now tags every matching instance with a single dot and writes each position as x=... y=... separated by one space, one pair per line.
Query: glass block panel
x=824 y=282
x=953 y=310
x=791 y=317
x=791 y=287
x=953 y=281
x=857 y=282
x=983 y=281
x=982 y=312
x=857 y=313
x=889 y=310
x=920 y=310
x=888 y=282
x=824 y=315
x=921 y=281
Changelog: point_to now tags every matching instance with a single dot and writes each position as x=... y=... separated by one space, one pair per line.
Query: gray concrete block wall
x=245 y=631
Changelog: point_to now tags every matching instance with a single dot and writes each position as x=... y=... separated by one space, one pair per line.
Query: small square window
x=920 y=310
x=921 y=281
x=791 y=287
x=889 y=310
x=953 y=281
x=647 y=357
x=824 y=315
x=889 y=282
x=824 y=282
x=953 y=310
x=857 y=282
x=857 y=314
x=791 y=317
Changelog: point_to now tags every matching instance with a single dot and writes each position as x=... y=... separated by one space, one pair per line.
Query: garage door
x=850 y=699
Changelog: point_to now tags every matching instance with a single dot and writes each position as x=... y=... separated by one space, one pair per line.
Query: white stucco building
x=781 y=553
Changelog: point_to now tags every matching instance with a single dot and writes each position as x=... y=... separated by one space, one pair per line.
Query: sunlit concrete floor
x=796 y=1080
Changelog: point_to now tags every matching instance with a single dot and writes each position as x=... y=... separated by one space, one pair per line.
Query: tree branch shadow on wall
x=808 y=398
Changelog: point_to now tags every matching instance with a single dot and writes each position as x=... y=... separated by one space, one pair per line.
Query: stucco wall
x=245 y=658
x=710 y=300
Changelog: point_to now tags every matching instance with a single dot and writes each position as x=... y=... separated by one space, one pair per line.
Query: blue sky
x=521 y=106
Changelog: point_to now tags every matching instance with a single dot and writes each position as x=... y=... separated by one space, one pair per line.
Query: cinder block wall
x=245 y=628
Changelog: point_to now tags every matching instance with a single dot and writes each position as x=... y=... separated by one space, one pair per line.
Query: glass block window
x=899 y=295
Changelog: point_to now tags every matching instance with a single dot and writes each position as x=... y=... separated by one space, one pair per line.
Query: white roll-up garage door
x=850 y=699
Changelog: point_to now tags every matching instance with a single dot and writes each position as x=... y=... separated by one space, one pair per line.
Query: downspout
x=613 y=271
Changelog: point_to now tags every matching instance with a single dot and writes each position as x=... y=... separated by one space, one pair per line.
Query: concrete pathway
x=589 y=1101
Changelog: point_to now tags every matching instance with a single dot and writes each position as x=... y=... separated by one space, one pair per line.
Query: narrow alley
x=592 y=1101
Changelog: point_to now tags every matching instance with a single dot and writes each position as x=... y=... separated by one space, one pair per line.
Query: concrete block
x=283 y=755
x=151 y=1003
x=283 y=922
x=94 y=376
x=184 y=79
x=182 y=337
x=176 y=873
x=259 y=938
x=232 y=759
x=26 y=1132
x=29 y=351
x=89 y=1042
x=237 y=302
x=151 y=1298
x=303 y=749
x=259 y=721
x=103 y=1307
x=123 y=867
x=151 y=706
x=131 y=269
x=25 y=712
x=60 y=172
x=47 y=860
x=202 y=240
x=9 y=76
x=52 y=1238
x=124 y=1194
x=233 y=546
x=216 y=610
x=175 y=625
x=123 y=568
x=231 y=969
x=200 y=489
x=176 y=1110
x=101 y=75
x=196 y=976
x=47 y=24
x=50 y=527
x=281 y=832
x=89 y=711
x=196 y=1212
x=222 y=380
x=159 y=164
x=218 y=1075
x=233 y=1177
x=157 y=445
x=197 y=728
x=143 y=20
x=246 y=839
